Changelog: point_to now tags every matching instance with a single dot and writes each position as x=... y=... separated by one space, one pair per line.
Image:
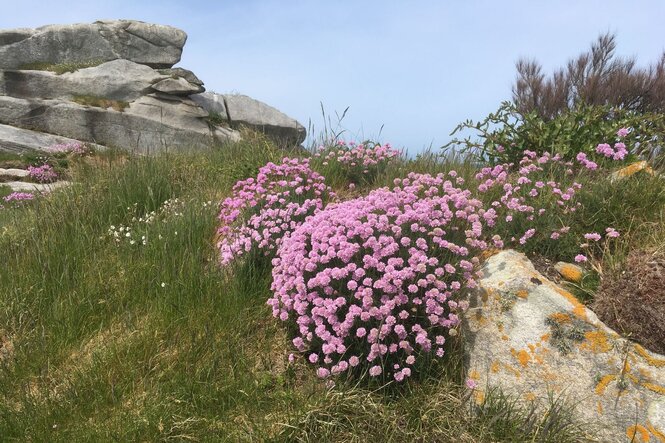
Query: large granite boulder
x=157 y=46
x=118 y=89
x=19 y=140
x=114 y=80
x=148 y=126
x=242 y=110
x=532 y=339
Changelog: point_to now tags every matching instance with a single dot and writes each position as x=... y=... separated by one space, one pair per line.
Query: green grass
x=118 y=342
x=60 y=68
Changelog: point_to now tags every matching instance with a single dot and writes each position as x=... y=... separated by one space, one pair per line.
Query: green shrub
x=503 y=135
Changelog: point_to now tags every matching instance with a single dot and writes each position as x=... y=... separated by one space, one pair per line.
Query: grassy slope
x=120 y=342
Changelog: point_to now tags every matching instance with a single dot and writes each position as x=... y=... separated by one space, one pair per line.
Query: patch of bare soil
x=632 y=301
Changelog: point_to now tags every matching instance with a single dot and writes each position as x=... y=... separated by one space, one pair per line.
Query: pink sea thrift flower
x=580 y=258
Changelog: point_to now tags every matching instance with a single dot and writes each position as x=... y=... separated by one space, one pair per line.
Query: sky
x=408 y=71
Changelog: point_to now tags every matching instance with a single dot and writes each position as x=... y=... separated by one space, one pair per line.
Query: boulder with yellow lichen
x=530 y=338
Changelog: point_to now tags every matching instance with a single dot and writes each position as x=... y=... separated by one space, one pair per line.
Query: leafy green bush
x=503 y=135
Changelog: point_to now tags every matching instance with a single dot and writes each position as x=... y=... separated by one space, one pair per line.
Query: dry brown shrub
x=633 y=301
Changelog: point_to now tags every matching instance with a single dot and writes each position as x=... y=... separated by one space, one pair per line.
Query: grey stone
x=12 y=172
x=157 y=46
x=184 y=73
x=114 y=80
x=17 y=186
x=245 y=110
x=149 y=125
x=177 y=86
x=211 y=102
x=18 y=140
x=530 y=338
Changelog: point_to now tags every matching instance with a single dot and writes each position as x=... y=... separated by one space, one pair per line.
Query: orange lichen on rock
x=474 y=374
x=656 y=433
x=633 y=169
x=599 y=406
x=545 y=337
x=529 y=396
x=596 y=341
x=579 y=309
x=523 y=293
x=560 y=317
x=655 y=388
x=495 y=366
x=602 y=384
x=570 y=272
x=479 y=396
x=655 y=362
x=487 y=253
x=522 y=356
x=638 y=433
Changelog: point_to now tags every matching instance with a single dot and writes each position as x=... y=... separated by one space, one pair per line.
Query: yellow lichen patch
x=487 y=253
x=655 y=388
x=479 y=396
x=602 y=384
x=596 y=341
x=655 y=362
x=656 y=433
x=523 y=357
x=505 y=337
x=578 y=308
x=599 y=406
x=500 y=327
x=560 y=317
x=529 y=396
x=523 y=293
x=545 y=337
x=644 y=373
x=514 y=371
x=570 y=272
x=474 y=374
x=495 y=366
x=633 y=169
x=638 y=433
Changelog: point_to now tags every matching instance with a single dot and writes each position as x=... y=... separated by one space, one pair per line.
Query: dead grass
x=100 y=102
x=631 y=300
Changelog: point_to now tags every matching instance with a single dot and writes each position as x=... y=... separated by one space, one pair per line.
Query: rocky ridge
x=112 y=83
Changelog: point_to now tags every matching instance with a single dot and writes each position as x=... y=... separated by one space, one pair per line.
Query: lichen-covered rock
x=569 y=271
x=530 y=338
x=632 y=169
x=158 y=46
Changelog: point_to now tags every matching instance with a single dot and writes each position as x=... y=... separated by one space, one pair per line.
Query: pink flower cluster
x=584 y=161
x=18 y=197
x=524 y=197
x=75 y=148
x=360 y=161
x=262 y=210
x=43 y=173
x=617 y=153
x=373 y=285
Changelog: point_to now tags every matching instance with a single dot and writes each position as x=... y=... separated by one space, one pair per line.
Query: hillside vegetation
x=117 y=322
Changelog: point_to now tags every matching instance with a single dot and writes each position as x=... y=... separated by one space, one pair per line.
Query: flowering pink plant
x=262 y=210
x=74 y=148
x=19 y=197
x=43 y=173
x=359 y=162
x=372 y=285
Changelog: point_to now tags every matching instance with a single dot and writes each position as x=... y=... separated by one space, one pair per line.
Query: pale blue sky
x=416 y=67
